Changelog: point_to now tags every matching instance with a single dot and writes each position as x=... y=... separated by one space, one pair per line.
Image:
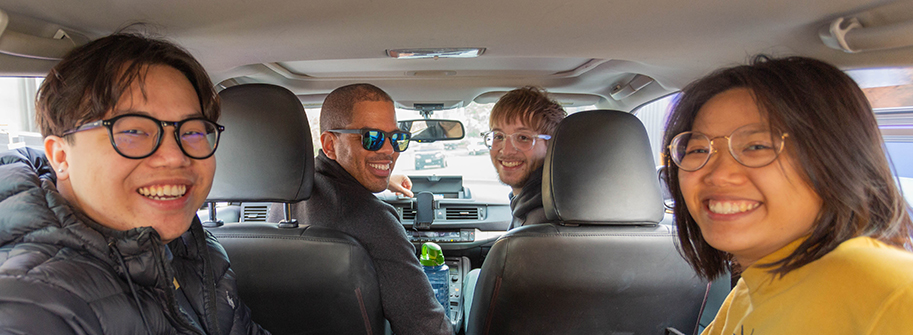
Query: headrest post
x=213 y=219
x=287 y=222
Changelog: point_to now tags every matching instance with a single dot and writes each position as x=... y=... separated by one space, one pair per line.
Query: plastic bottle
x=438 y=273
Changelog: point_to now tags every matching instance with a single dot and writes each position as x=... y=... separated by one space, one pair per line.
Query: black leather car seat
x=603 y=265
x=296 y=279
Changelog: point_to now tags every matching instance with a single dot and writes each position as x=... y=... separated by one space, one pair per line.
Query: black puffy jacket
x=62 y=273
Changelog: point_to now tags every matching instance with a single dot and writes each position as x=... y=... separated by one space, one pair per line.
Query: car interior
x=607 y=261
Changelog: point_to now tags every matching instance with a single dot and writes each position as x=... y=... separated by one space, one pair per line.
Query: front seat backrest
x=295 y=279
x=603 y=265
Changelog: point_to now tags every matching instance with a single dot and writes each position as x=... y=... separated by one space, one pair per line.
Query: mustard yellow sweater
x=862 y=287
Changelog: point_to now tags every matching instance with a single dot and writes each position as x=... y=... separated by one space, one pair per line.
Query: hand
x=401 y=185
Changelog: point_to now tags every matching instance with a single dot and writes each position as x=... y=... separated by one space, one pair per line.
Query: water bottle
x=438 y=273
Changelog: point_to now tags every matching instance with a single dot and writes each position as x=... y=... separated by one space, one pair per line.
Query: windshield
x=456 y=158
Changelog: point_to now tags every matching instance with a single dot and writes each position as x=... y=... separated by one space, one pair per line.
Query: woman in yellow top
x=778 y=170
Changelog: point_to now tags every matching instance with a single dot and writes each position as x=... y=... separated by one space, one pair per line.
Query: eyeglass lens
x=751 y=146
x=136 y=136
x=373 y=140
x=523 y=141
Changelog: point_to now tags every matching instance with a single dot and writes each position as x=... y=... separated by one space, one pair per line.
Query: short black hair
x=336 y=112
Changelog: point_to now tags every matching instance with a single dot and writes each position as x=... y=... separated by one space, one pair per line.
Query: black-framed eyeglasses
x=754 y=145
x=373 y=139
x=522 y=140
x=137 y=136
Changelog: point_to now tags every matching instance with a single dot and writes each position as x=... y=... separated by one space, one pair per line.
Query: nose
x=722 y=169
x=168 y=152
x=509 y=145
x=387 y=146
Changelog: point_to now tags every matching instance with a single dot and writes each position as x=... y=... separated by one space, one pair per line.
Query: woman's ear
x=328 y=144
x=56 y=148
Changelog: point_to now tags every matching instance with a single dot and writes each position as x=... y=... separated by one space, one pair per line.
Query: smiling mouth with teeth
x=163 y=192
x=511 y=163
x=731 y=207
x=383 y=167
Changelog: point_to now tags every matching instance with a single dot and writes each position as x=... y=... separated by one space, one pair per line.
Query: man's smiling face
x=514 y=166
x=371 y=168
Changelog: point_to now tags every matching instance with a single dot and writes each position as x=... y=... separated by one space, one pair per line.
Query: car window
x=890 y=91
x=460 y=158
x=653 y=115
x=18 y=127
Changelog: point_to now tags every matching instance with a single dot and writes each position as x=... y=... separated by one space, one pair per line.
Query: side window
x=18 y=127
x=654 y=116
x=890 y=92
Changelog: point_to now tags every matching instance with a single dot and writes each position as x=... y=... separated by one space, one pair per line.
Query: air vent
x=255 y=213
x=407 y=214
x=462 y=213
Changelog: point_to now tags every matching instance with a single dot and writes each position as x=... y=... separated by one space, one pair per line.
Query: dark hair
x=91 y=78
x=532 y=107
x=337 y=108
x=834 y=137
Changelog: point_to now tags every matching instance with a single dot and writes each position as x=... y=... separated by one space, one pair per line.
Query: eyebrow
x=518 y=129
x=141 y=112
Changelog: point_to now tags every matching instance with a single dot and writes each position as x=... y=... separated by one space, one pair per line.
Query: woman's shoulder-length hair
x=834 y=138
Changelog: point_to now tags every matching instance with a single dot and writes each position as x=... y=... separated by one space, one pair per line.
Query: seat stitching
x=364 y=311
x=493 y=303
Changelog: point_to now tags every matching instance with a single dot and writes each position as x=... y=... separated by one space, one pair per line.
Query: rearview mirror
x=424 y=131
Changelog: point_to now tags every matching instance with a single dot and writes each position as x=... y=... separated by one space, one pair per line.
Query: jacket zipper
x=171 y=301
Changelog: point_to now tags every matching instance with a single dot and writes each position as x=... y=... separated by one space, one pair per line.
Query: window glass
x=654 y=115
x=17 y=113
x=890 y=91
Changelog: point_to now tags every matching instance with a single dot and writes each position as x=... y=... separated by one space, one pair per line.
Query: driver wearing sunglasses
x=373 y=139
x=360 y=143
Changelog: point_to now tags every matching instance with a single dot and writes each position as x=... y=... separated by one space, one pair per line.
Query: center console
x=459 y=267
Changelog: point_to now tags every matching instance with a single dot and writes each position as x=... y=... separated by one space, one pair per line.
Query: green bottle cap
x=431 y=254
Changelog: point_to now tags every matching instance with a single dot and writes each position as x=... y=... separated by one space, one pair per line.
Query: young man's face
x=514 y=165
x=371 y=168
x=163 y=190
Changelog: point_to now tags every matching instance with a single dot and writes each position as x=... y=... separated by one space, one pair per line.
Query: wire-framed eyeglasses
x=137 y=136
x=753 y=145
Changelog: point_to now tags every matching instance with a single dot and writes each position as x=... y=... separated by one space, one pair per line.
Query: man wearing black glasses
x=522 y=122
x=100 y=235
x=360 y=143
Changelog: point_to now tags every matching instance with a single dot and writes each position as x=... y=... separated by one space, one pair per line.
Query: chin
x=170 y=233
x=172 y=228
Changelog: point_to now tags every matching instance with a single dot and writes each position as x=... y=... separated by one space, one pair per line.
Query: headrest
x=265 y=153
x=599 y=169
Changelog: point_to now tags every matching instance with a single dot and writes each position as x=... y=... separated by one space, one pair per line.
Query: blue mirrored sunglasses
x=373 y=139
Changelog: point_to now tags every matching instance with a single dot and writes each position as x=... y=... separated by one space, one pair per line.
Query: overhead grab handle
x=36 y=47
x=849 y=35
